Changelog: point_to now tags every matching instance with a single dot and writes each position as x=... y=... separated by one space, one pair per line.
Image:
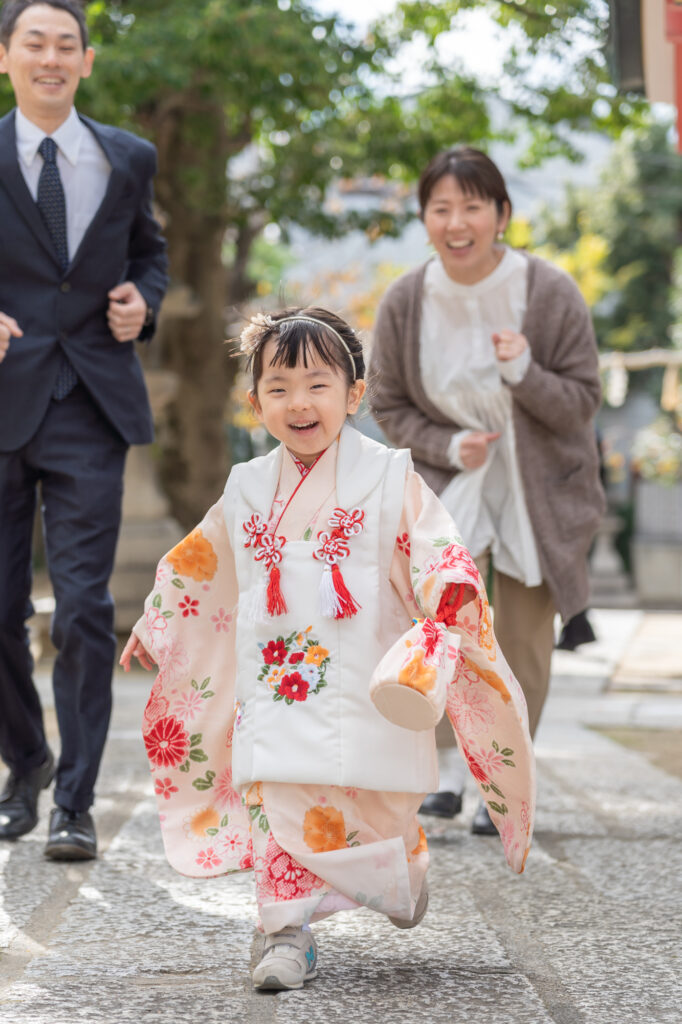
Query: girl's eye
x=315 y=386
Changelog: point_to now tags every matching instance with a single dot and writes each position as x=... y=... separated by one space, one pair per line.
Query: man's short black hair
x=12 y=9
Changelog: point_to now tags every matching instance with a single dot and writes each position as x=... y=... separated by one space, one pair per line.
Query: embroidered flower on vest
x=294 y=667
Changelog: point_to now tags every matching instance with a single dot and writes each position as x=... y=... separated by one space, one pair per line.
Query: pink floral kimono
x=321 y=833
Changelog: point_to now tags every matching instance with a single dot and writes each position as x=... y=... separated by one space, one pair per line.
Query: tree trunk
x=194 y=148
x=195 y=460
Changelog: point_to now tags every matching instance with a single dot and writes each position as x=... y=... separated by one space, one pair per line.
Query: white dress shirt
x=463 y=378
x=83 y=167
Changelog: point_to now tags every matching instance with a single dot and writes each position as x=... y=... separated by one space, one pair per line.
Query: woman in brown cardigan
x=484 y=363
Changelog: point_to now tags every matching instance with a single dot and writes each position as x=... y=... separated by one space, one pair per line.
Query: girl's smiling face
x=304 y=407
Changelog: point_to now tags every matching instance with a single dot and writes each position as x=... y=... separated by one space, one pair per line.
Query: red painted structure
x=673 y=33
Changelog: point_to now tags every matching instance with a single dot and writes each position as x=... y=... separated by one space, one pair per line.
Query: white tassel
x=330 y=605
x=256 y=604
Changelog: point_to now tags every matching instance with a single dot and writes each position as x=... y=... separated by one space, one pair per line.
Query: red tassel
x=450 y=603
x=347 y=607
x=276 y=603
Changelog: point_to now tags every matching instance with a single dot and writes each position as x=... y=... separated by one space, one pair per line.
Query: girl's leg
x=288 y=893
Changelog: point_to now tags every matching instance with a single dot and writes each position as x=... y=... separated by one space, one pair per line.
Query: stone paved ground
x=588 y=935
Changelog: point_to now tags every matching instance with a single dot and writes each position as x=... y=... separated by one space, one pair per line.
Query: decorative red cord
x=450 y=603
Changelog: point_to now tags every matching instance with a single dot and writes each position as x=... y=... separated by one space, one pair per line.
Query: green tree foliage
x=555 y=75
x=636 y=213
x=256 y=106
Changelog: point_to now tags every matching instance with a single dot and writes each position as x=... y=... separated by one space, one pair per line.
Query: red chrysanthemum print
x=224 y=793
x=296 y=657
x=167 y=743
x=294 y=686
x=280 y=877
x=274 y=653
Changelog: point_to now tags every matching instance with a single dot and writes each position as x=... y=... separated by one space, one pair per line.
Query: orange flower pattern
x=418 y=675
x=194 y=557
x=324 y=829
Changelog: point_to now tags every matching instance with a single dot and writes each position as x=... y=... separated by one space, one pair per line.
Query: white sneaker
x=289 y=958
x=419 y=911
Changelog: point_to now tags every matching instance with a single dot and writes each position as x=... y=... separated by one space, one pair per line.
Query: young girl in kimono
x=327 y=564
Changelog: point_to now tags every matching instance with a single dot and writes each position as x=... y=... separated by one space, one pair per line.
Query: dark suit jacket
x=53 y=308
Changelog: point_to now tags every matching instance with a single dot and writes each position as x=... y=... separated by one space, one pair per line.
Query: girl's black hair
x=297 y=339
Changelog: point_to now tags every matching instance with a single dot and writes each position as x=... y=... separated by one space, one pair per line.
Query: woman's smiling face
x=304 y=407
x=463 y=228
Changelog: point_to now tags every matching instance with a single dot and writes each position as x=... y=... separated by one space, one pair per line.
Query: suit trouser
x=78 y=458
x=524 y=627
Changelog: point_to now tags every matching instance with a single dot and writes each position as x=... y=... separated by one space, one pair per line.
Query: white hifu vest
x=334 y=736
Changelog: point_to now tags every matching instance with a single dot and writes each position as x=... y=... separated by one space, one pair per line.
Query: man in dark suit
x=82 y=275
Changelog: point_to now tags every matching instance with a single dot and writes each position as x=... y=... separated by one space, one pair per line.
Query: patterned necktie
x=52 y=206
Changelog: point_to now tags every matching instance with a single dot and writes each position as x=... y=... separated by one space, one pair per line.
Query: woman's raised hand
x=473 y=449
x=136 y=649
x=509 y=345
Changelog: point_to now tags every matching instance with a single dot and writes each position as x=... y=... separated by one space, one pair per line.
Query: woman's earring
x=500 y=236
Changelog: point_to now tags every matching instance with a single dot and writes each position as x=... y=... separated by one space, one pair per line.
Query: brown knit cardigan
x=553 y=408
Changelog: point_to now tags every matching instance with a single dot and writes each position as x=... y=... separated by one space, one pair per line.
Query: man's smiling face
x=45 y=61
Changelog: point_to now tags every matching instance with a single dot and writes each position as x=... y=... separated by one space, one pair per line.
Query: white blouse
x=463 y=378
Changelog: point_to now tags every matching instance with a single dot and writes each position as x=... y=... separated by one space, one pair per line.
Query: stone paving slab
x=588 y=935
x=653 y=658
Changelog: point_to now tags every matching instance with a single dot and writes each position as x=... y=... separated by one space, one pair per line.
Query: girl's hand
x=509 y=345
x=473 y=450
x=135 y=649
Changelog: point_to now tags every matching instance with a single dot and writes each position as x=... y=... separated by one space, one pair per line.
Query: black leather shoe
x=19 y=799
x=482 y=824
x=442 y=805
x=71 y=836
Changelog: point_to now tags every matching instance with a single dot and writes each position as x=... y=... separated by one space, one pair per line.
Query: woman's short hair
x=474 y=172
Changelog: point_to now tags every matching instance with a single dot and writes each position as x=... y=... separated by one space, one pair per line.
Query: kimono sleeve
x=188 y=626
x=485 y=704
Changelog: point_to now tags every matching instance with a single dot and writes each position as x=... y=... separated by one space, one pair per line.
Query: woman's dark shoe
x=575 y=632
x=442 y=805
x=482 y=824
x=19 y=799
x=71 y=836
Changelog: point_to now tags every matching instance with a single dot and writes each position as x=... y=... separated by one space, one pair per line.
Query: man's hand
x=9 y=328
x=509 y=345
x=473 y=450
x=127 y=311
